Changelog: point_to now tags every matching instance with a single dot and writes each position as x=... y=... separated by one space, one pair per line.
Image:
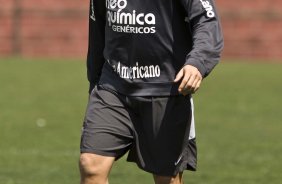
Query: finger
x=195 y=83
x=185 y=93
x=197 y=86
x=184 y=81
x=191 y=83
x=188 y=90
x=179 y=76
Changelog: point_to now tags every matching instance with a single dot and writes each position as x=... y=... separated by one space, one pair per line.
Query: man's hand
x=191 y=79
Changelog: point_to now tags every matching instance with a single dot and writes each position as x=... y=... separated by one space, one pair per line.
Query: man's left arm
x=207 y=44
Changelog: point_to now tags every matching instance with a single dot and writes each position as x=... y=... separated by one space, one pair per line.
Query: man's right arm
x=96 y=43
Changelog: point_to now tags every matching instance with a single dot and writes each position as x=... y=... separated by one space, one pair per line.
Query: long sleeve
x=96 y=43
x=207 y=35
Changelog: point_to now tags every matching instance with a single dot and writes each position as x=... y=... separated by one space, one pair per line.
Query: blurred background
x=43 y=96
x=59 y=28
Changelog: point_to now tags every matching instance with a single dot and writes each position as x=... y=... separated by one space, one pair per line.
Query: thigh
x=107 y=128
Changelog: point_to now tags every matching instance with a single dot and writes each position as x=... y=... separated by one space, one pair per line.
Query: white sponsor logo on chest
x=129 y=20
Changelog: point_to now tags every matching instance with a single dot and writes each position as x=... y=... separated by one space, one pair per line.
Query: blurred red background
x=52 y=28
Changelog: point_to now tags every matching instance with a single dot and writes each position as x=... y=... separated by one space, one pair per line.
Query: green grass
x=42 y=104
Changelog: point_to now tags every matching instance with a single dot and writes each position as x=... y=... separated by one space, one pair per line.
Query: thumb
x=179 y=75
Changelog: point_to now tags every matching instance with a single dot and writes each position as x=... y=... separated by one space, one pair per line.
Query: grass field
x=238 y=122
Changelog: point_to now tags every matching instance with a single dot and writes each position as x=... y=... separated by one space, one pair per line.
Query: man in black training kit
x=145 y=59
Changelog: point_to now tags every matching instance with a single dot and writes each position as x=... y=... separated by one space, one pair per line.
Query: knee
x=163 y=180
x=168 y=179
x=95 y=166
x=87 y=165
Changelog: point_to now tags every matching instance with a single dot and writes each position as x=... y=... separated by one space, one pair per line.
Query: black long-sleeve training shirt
x=136 y=47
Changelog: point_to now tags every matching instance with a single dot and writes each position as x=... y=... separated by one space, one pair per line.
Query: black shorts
x=158 y=132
